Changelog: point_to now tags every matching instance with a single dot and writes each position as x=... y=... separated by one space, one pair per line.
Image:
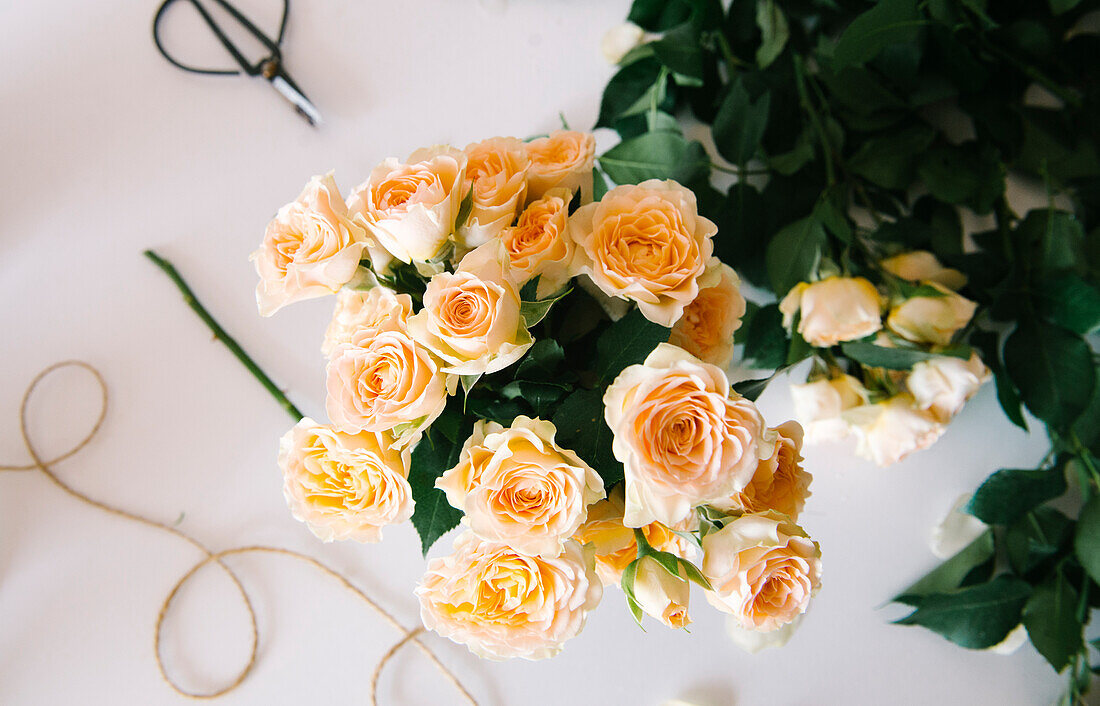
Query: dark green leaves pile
x=907 y=112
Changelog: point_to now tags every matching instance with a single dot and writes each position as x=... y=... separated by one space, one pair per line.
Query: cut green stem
x=221 y=335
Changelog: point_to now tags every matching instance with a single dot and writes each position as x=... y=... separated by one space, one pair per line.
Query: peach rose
x=344 y=486
x=516 y=486
x=502 y=604
x=818 y=406
x=890 y=430
x=683 y=437
x=360 y=315
x=311 y=248
x=943 y=384
x=922 y=266
x=707 y=326
x=833 y=310
x=537 y=245
x=780 y=483
x=764 y=569
x=471 y=317
x=496 y=171
x=931 y=319
x=646 y=243
x=411 y=208
x=661 y=595
x=614 y=542
x=389 y=384
x=564 y=159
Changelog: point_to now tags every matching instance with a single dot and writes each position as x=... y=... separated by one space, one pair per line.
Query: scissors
x=270 y=68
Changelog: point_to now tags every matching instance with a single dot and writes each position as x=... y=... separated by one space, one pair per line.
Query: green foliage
x=1009 y=493
x=1053 y=370
x=740 y=124
x=437 y=452
x=655 y=155
x=1050 y=617
x=794 y=253
x=976 y=617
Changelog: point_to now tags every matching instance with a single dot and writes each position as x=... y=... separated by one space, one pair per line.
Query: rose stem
x=221 y=335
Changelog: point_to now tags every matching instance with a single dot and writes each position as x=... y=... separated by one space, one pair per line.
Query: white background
x=106 y=150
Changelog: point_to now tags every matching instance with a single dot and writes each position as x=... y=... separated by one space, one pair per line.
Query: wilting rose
x=360 y=315
x=344 y=486
x=833 y=310
x=779 y=483
x=471 y=317
x=503 y=604
x=411 y=208
x=310 y=249
x=943 y=384
x=614 y=542
x=684 y=439
x=537 y=245
x=390 y=384
x=818 y=406
x=707 y=326
x=618 y=41
x=564 y=159
x=496 y=171
x=890 y=430
x=753 y=641
x=661 y=595
x=925 y=319
x=922 y=266
x=646 y=243
x=764 y=569
x=516 y=486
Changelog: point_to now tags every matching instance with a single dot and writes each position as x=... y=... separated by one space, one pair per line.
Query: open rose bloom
x=548 y=373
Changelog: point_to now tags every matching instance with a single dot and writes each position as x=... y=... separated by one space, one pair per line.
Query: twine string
x=209 y=556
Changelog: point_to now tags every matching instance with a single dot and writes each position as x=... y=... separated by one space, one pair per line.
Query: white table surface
x=107 y=150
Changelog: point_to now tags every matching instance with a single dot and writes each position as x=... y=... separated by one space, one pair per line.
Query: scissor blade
x=299 y=101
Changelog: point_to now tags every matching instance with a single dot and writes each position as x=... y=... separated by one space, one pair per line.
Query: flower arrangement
x=518 y=349
x=872 y=173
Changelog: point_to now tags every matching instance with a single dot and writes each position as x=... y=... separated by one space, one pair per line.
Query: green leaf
x=464 y=209
x=831 y=211
x=794 y=253
x=950 y=574
x=774 y=32
x=627 y=342
x=627 y=584
x=964 y=174
x=888 y=22
x=536 y=311
x=1050 y=617
x=1007 y=396
x=882 y=357
x=582 y=428
x=1036 y=537
x=434 y=454
x=599 y=184
x=766 y=341
x=629 y=87
x=1009 y=493
x=890 y=160
x=1052 y=241
x=542 y=396
x=541 y=361
x=1086 y=542
x=740 y=124
x=680 y=51
x=751 y=389
x=975 y=617
x=1070 y=302
x=655 y=155
x=1060 y=7
x=1053 y=370
x=659 y=15
x=494 y=409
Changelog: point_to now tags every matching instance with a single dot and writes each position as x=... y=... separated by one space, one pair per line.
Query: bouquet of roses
x=516 y=348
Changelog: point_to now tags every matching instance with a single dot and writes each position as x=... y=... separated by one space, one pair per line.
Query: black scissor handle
x=246 y=67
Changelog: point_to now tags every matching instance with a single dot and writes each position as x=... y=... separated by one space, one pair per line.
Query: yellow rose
x=411 y=208
x=943 y=384
x=661 y=595
x=922 y=266
x=818 y=406
x=833 y=310
x=764 y=570
x=389 y=384
x=516 y=486
x=646 y=243
x=471 y=317
x=614 y=543
x=537 y=245
x=707 y=326
x=890 y=430
x=931 y=319
x=310 y=249
x=564 y=159
x=344 y=486
x=683 y=437
x=502 y=604
x=360 y=315
x=779 y=483
x=496 y=171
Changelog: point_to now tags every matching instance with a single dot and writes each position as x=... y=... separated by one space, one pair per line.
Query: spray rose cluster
x=519 y=350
